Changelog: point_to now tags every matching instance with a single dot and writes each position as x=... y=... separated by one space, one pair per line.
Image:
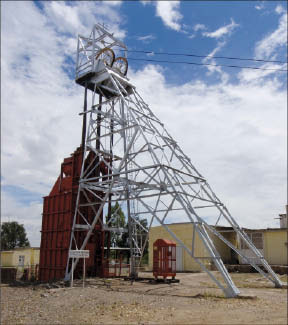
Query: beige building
x=275 y=246
x=21 y=259
x=272 y=243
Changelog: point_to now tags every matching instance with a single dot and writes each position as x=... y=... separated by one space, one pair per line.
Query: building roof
x=19 y=249
x=226 y=228
x=164 y=241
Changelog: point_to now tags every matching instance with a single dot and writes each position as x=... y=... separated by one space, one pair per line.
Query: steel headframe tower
x=146 y=170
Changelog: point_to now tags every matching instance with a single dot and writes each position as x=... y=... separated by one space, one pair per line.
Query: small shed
x=164 y=258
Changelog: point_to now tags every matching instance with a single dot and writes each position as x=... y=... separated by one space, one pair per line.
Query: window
x=256 y=238
x=21 y=260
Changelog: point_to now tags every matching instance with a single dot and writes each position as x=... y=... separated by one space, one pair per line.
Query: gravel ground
x=195 y=300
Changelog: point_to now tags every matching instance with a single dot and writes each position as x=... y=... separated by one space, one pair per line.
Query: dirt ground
x=195 y=300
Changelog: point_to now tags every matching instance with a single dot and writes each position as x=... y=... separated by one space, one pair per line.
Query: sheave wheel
x=121 y=65
x=107 y=55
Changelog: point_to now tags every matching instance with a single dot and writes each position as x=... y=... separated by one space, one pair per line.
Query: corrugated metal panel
x=57 y=220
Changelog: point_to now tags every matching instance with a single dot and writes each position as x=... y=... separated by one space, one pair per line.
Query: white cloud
x=220 y=34
x=279 y=9
x=196 y=28
x=268 y=48
x=269 y=45
x=30 y=215
x=169 y=12
x=37 y=99
x=222 y=31
x=146 y=38
x=260 y=6
x=78 y=17
x=258 y=76
x=66 y=17
x=235 y=134
x=213 y=68
x=146 y=2
x=199 y=27
x=40 y=103
x=115 y=3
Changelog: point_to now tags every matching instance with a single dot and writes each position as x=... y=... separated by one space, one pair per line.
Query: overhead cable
x=210 y=64
x=205 y=56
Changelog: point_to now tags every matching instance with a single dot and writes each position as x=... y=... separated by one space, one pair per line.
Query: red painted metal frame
x=115 y=269
x=164 y=258
x=57 y=220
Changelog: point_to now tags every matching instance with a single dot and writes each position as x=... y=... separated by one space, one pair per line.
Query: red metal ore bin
x=164 y=258
x=57 y=220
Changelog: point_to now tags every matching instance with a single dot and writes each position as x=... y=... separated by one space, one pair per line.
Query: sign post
x=84 y=272
x=78 y=254
x=71 y=284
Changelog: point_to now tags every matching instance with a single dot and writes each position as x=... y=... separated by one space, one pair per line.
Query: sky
x=231 y=122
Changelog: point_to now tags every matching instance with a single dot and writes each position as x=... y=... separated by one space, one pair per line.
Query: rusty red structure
x=164 y=258
x=57 y=220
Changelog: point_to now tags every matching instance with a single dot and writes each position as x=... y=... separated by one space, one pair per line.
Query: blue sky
x=200 y=18
x=231 y=122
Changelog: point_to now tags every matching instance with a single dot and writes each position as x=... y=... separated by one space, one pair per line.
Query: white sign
x=79 y=253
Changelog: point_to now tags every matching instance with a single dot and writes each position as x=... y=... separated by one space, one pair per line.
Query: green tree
x=13 y=235
x=118 y=220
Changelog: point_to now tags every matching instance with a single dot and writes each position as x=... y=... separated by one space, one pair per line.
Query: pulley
x=107 y=55
x=121 y=65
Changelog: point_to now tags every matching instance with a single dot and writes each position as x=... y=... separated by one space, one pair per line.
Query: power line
x=205 y=56
x=210 y=64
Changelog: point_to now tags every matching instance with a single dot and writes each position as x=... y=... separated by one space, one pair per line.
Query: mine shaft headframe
x=100 y=45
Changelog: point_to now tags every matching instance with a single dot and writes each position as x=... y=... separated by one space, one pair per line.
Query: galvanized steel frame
x=151 y=171
x=87 y=48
